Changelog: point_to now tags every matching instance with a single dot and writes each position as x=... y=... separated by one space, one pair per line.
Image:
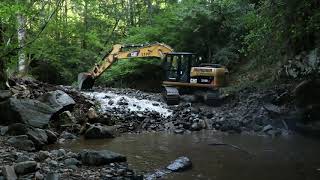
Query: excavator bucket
x=85 y=81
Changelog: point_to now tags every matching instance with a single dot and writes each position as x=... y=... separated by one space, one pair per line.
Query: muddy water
x=292 y=157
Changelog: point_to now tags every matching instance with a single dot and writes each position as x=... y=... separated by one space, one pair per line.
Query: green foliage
x=211 y=29
x=66 y=37
x=133 y=72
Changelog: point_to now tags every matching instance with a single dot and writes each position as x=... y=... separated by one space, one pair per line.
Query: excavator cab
x=177 y=66
x=184 y=76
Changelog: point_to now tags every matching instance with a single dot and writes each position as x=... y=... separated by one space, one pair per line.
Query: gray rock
x=22 y=142
x=5 y=94
x=9 y=173
x=25 y=167
x=111 y=102
x=72 y=161
x=123 y=101
x=180 y=164
x=267 y=128
x=3 y=130
x=38 y=176
x=58 y=100
x=66 y=118
x=28 y=111
x=17 y=129
x=52 y=176
x=97 y=131
x=38 y=137
x=42 y=155
x=92 y=114
x=23 y=158
x=179 y=131
x=67 y=135
x=196 y=126
x=58 y=152
x=96 y=158
x=52 y=137
x=53 y=163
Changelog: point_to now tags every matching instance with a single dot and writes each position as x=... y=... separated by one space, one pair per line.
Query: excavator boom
x=86 y=80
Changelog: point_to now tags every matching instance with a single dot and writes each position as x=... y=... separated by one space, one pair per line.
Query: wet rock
x=111 y=102
x=58 y=152
x=38 y=176
x=22 y=158
x=180 y=164
x=274 y=133
x=98 y=131
x=5 y=94
x=22 y=142
x=3 y=130
x=9 y=173
x=267 y=128
x=17 y=129
x=158 y=174
x=25 y=167
x=66 y=118
x=38 y=137
x=52 y=137
x=53 y=163
x=92 y=114
x=42 y=155
x=179 y=131
x=71 y=161
x=67 y=135
x=123 y=101
x=196 y=126
x=52 y=176
x=28 y=111
x=58 y=100
x=96 y=158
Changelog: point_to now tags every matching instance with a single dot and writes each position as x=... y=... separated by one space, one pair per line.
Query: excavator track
x=171 y=95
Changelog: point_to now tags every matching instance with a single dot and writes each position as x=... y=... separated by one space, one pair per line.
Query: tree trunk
x=3 y=75
x=22 y=60
x=85 y=23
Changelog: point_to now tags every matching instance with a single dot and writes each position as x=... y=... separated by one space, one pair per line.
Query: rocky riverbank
x=35 y=115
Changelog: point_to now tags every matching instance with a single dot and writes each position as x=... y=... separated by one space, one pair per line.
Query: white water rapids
x=133 y=104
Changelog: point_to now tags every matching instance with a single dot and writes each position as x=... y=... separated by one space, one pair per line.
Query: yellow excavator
x=182 y=75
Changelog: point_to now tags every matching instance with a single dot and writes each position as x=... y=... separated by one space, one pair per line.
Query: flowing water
x=254 y=157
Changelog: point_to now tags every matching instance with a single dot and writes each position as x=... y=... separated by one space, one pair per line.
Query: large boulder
x=58 y=100
x=98 y=131
x=36 y=113
x=28 y=111
x=103 y=157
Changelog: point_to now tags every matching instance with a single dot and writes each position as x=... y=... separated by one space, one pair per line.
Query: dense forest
x=258 y=40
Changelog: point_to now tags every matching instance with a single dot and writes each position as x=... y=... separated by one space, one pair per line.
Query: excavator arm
x=86 y=80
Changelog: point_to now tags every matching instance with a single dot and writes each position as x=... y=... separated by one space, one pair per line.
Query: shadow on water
x=259 y=158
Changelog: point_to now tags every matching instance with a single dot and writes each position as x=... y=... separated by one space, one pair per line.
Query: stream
x=259 y=157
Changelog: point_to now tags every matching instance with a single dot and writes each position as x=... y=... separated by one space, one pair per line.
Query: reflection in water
x=292 y=157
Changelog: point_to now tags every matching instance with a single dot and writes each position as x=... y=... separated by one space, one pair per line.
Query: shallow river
x=292 y=157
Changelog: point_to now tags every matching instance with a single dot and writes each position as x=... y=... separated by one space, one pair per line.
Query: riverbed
x=245 y=157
